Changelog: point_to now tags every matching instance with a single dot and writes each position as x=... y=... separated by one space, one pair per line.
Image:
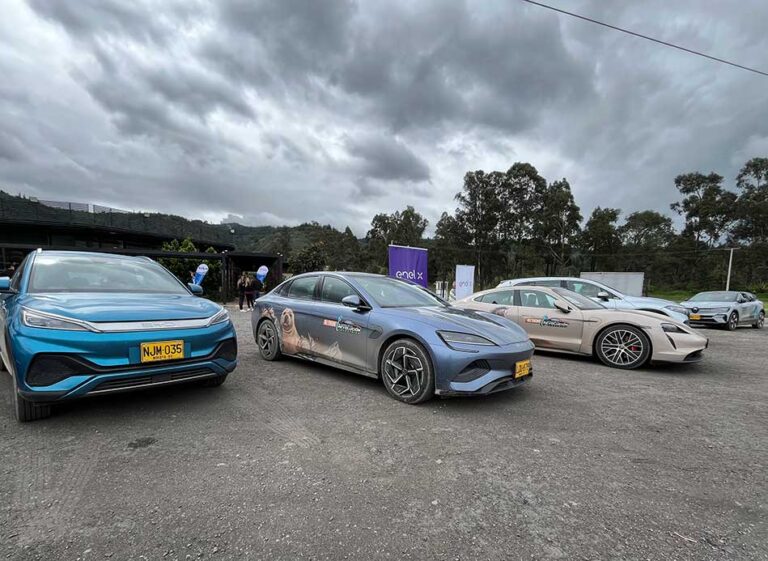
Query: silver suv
x=607 y=296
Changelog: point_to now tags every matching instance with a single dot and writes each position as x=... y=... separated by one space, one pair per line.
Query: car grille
x=153 y=380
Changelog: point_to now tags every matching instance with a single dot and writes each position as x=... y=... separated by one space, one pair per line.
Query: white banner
x=465 y=280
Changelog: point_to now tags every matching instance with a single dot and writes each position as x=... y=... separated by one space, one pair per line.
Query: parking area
x=290 y=460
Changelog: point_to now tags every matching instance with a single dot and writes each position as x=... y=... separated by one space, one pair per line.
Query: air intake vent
x=473 y=371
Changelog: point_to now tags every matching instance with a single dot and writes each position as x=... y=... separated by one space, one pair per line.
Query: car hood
x=707 y=304
x=649 y=300
x=497 y=329
x=122 y=306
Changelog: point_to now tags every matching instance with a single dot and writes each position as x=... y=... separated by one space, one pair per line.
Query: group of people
x=248 y=291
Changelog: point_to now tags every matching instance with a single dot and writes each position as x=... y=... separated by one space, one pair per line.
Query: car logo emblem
x=694 y=310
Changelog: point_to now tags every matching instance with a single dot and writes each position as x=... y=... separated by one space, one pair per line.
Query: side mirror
x=603 y=295
x=5 y=284
x=354 y=301
x=562 y=306
x=196 y=289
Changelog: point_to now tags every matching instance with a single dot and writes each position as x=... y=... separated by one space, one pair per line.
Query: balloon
x=261 y=274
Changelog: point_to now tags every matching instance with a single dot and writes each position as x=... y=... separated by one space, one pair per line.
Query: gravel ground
x=292 y=461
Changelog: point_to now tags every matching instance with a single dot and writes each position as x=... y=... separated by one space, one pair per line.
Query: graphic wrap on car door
x=341 y=330
x=500 y=302
x=294 y=318
x=546 y=325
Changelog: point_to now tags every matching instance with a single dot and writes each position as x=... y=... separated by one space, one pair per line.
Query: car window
x=502 y=297
x=547 y=282
x=334 y=290
x=536 y=299
x=585 y=288
x=102 y=273
x=17 y=276
x=303 y=287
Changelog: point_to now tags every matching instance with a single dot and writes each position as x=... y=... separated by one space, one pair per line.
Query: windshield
x=393 y=293
x=715 y=297
x=81 y=273
x=581 y=302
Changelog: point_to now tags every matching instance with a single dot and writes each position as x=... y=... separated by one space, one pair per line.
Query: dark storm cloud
x=295 y=110
x=386 y=158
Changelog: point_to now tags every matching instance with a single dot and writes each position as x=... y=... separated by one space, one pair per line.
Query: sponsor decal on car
x=547 y=321
x=344 y=326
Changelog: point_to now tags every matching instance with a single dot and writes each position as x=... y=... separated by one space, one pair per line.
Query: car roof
x=64 y=253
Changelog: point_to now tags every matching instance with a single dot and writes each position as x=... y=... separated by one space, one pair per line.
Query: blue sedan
x=394 y=330
x=74 y=324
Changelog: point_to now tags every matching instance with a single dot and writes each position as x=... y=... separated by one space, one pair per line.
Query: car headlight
x=672 y=328
x=455 y=338
x=677 y=309
x=220 y=317
x=49 y=321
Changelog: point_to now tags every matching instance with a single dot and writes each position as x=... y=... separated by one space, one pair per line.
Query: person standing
x=241 y=282
x=250 y=288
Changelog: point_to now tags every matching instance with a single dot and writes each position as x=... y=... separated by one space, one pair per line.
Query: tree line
x=516 y=223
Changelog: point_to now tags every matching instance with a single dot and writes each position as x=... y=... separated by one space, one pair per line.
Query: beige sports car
x=560 y=320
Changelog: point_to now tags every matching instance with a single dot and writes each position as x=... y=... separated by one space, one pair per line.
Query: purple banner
x=408 y=263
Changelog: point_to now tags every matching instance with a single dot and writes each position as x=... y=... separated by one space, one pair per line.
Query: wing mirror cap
x=563 y=307
x=354 y=301
x=195 y=289
x=603 y=295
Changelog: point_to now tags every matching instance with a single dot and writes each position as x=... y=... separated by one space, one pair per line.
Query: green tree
x=601 y=237
x=479 y=214
x=520 y=191
x=557 y=223
x=709 y=210
x=183 y=267
x=752 y=207
x=401 y=228
x=647 y=229
x=311 y=258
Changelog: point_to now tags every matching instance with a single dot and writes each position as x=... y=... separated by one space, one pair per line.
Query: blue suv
x=74 y=324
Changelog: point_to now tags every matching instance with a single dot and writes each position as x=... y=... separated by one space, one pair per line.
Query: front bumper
x=486 y=371
x=98 y=363
x=679 y=347
x=710 y=319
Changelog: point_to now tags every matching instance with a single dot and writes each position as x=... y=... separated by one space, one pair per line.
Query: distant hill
x=245 y=238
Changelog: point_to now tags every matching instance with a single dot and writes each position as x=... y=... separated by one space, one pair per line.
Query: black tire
x=27 y=411
x=407 y=372
x=760 y=321
x=623 y=346
x=268 y=341
x=733 y=322
x=214 y=382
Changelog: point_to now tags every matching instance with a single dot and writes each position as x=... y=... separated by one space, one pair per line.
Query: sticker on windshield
x=547 y=321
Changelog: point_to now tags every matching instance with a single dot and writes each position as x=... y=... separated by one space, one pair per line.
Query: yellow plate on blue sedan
x=522 y=368
x=162 y=350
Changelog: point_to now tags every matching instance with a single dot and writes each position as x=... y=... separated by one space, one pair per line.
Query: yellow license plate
x=162 y=350
x=523 y=368
x=694 y=317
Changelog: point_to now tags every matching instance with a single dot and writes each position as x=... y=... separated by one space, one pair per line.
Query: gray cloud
x=387 y=158
x=285 y=112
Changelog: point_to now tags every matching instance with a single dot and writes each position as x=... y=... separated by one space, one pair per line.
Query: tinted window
x=502 y=297
x=536 y=299
x=334 y=290
x=585 y=288
x=715 y=297
x=393 y=293
x=303 y=287
x=546 y=282
x=578 y=300
x=17 y=276
x=89 y=273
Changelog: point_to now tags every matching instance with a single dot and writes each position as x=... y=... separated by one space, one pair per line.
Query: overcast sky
x=289 y=111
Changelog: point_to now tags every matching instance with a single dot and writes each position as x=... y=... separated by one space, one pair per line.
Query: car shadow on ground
x=665 y=368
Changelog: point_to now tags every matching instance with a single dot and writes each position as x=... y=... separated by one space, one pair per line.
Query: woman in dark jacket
x=241 y=283
x=250 y=288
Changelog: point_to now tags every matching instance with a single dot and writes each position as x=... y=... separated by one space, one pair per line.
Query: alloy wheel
x=733 y=321
x=267 y=339
x=404 y=371
x=622 y=347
